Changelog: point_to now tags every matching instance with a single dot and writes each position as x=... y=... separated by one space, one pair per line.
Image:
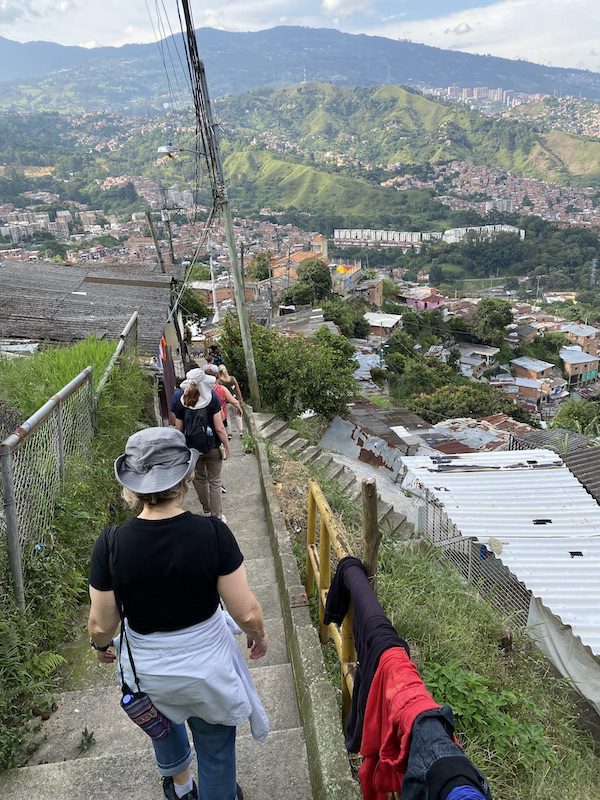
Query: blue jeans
x=215 y=751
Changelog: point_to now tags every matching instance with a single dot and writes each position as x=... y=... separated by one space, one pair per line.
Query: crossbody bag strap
x=111 y=540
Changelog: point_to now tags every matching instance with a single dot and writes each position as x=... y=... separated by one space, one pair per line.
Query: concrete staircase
x=120 y=765
x=275 y=430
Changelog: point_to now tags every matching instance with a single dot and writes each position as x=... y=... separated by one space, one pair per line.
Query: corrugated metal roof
x=534 y=507
x=577 y=356
x=60 y=303
x=580 y=453
x=531 y=363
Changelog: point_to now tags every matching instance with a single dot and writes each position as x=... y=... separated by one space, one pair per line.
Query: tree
x=316 y=273
x=582 y=416
x=260 y=266
x=436 y=275
x=200 y=272
x=302 y=294
x=490 y=319
x=468 y=400
x=294 y=373
x=193 y=307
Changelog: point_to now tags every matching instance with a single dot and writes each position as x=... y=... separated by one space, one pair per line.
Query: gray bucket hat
x=155 y=459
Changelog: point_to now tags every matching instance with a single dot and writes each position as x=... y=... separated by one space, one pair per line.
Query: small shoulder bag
x=136 y=704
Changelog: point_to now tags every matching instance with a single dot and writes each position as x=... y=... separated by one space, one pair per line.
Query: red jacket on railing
x=396 y=698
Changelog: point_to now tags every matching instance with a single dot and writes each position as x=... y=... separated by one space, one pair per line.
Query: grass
x=311 y=429
x=518 y=723
x=381 y=400
x=56 y=576
x=27 y=383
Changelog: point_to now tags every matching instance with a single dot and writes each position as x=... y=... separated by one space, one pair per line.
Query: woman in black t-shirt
x=169 y=569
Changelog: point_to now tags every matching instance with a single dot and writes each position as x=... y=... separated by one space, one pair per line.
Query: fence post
x=324 y=577
x=311 y=536
x=12 y=526
x=60 y=439
x=372 y=534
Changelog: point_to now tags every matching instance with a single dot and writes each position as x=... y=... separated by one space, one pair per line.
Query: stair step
x=296 y=445
x=346 y=479
x=261 y=769
x=334 y=470
x=273 y=428
x=286 y=436
x=392 y=522
x=262 y=420
x=323 y=460
x=309 y=454
x=383 y=509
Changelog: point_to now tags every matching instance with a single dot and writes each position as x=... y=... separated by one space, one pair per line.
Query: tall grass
x=56 y=575
x=26 y=383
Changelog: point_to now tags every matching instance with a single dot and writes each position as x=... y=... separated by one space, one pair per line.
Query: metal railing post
x=12 y=526
x=60 y=439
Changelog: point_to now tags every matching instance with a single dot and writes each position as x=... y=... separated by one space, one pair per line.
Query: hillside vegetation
x=258 y=178
x=392 y=125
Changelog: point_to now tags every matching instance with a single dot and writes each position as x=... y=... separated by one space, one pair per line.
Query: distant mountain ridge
x=94 y=78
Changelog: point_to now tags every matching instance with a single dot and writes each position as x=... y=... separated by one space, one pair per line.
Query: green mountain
x=258 y=179
x=391 y=125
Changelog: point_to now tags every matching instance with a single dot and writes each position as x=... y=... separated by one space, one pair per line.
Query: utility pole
x=166 y=218
x=212 y=279
x=161 y=262
x=593 y=272
x=210 y=150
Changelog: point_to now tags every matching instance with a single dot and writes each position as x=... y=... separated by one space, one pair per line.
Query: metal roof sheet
x=577 y=356
x=531 y=363
x=539 y=514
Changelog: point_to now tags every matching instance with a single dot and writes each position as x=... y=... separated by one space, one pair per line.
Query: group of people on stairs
x=177 y=585
x=406 y=739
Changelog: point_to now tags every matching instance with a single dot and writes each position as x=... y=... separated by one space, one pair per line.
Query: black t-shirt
x=166 y=570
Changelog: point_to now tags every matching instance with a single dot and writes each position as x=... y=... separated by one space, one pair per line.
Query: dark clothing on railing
x=436 y=763
x=373 y=635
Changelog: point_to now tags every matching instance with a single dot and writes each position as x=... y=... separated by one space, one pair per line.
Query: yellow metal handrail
x=318 y=568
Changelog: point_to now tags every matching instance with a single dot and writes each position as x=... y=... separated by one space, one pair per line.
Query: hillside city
x=399 y=288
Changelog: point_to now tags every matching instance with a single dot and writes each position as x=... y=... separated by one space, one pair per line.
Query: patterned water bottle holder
x=136 y=704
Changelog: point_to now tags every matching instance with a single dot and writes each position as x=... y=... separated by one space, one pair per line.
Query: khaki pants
x=235 y=421
x=207 y=481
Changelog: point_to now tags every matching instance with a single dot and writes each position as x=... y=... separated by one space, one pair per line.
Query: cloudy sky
x=556 y=32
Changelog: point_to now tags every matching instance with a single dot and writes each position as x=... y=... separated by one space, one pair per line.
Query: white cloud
x=563 y=33
x=345 y=7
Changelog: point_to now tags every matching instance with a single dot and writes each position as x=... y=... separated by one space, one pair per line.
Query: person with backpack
x=198 y=417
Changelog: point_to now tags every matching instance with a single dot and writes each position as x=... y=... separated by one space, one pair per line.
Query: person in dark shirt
x=170 y=569
x=197 y=400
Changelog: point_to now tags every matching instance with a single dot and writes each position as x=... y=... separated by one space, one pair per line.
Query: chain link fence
x=33 y=461
x=477 y=564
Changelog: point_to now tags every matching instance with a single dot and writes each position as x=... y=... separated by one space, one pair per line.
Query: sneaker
x=170 y=794
x=223 y=490
x=224 y=519
x=239 y=795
